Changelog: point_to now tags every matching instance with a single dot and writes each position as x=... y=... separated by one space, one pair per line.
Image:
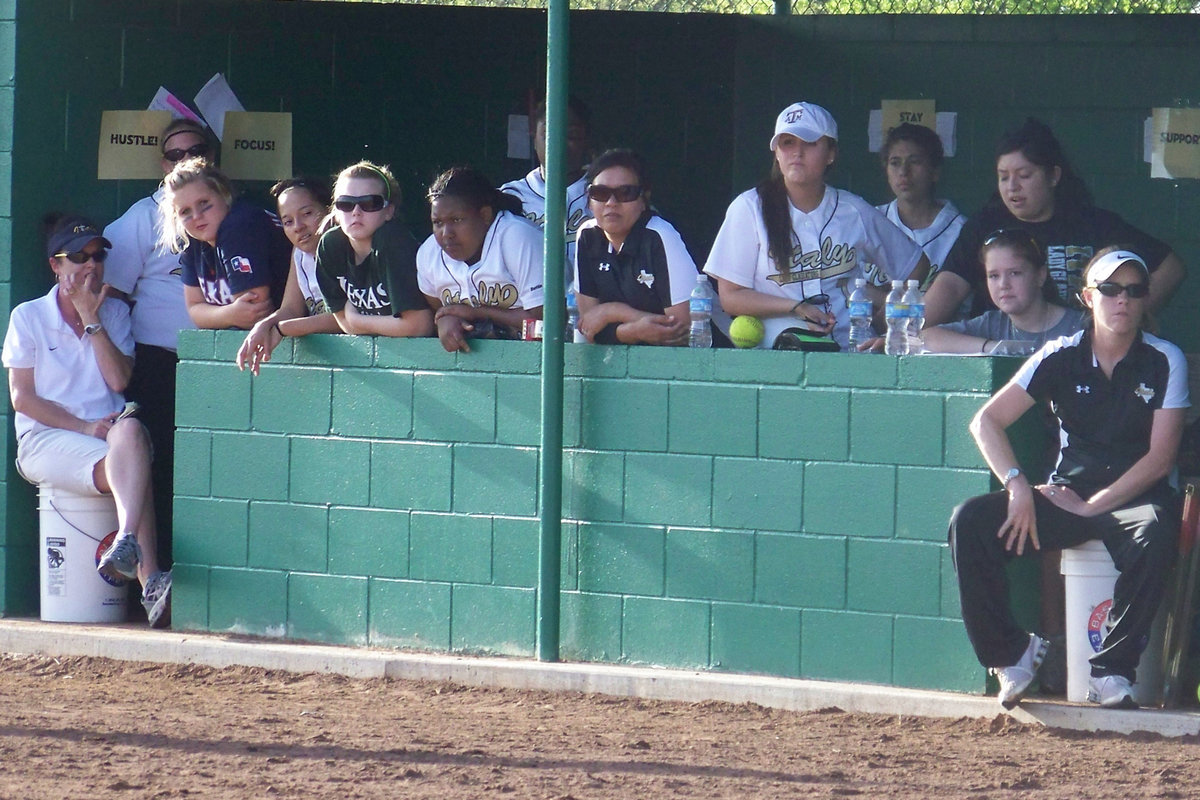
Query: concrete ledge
x=129 y=643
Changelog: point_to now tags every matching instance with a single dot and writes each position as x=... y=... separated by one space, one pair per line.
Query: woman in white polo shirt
x=69 y=356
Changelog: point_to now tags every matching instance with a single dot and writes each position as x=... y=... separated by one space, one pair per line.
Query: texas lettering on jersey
x=366 y=298
x=828 y=262
x=500 y=295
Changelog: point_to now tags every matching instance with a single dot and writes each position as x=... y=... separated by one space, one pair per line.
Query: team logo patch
x=645 y=279
x=605 y=266
x=795 y=116
x=1144 y=392
x=1082 y=389
x=240 y=264
x=1098 y=625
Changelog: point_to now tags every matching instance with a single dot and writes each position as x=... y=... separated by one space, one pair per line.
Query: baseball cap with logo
x=71 y=235
x=1104 y=266
x=806 y=121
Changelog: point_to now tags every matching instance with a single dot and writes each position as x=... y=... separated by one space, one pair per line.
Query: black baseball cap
x=72 y=234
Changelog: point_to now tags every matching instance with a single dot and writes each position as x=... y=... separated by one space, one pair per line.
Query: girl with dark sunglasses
x=633 y=274
x=1038 y=191
x=366 y=265
x=235 y=256
x=482 y=267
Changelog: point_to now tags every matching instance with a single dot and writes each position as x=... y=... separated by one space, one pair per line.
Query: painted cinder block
x=843 y=369
x=624 y=415
x=412 y=354
x=751 y=638
x=288 y=536
x=248 y=465
x=671 y=363
x=373 y=403
x=710 y=565
x=494 y=619
x=195 y=345
x=803 y=423
x=515 y=552
x=335 y=350
x=894 y=577
x=518 y=410
x=450 y=547
x=408 y=475
x=368 y=542
x=502 y=356
x=330 y=471
x=951 y=606
x=668 y=489
x=226 y=344
x=896 y=428
x=925 y=498
x=495 y=480
x=800 y=571
x=960 y=449
x=193 y=462
x=758 y=367
x=849 y=499
x=327 y=608
x=621 y=559
x=409 y=614
x=590 y=627
x=596 y=490
x=595 y=360
x=670 y=633
x=934 y=654
x=712 y=419
x=210 y=531
x=249 y=601
x=217 y=396
x=454 y=408
x=846 y=646
x=757 y=493
x=946 y=374
x=189 y=597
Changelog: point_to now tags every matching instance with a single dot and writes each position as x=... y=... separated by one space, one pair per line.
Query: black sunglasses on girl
x=624 y=194
x=82 y=257
x=1136 y=291
x=367 y=202
x=177 y=154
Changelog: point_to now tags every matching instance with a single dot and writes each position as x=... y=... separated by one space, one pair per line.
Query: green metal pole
x=554 y=312
x=783 y=7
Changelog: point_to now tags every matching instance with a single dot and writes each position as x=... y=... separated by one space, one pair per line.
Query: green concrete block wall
x=692 y=537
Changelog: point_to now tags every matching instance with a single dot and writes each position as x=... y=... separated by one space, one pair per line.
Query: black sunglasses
x=178 y=154
x=367 y=202
x=82 y=257
x=1136 y=291
x=624 y=194
x=1011 y=236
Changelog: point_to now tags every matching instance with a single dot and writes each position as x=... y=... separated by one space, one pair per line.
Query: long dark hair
x=1034 y=140
x=777 y=217
x=473 y=188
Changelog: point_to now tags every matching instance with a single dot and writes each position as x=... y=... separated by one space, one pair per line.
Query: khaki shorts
x=64 y=459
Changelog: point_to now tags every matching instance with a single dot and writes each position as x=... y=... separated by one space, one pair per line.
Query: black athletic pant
x=1140 y=538
x=153 y=387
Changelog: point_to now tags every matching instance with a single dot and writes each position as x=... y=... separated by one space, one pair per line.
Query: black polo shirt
x=1105 y=423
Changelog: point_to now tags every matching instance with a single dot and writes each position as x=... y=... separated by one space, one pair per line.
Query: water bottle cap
x=860 y=282
x=897 y=284
x=913 y=284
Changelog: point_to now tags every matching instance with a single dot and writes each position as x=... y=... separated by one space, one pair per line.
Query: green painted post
x=783 y=7
x=554 y=312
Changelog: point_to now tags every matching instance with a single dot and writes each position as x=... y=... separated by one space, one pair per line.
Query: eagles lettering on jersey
x=500 y=295
x=366 y=298
x=828 y=262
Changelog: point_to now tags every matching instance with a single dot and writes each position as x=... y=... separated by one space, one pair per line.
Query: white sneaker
x=1111 y=691
x=121 y=559
x=1015 y=680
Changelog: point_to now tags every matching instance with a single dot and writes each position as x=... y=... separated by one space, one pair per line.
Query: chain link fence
x=815 y=7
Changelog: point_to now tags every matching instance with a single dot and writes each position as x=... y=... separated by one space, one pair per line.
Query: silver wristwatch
x=1008 y=476
x=93 y=329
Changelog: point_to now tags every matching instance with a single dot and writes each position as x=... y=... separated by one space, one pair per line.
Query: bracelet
x=983 y=347
x=279 y=330
x=792 y=313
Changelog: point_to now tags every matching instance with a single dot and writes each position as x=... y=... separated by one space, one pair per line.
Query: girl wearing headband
x=366 y=265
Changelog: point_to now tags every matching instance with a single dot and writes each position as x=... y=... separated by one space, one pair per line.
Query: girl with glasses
x=482 y=267
x=235 y=256
x=303 y=207
x=1025 y=318
x=366 y=265
x=1037 y=191
x=633 y=274
x=793 y=238
x=69 y=356
x=1120 y=395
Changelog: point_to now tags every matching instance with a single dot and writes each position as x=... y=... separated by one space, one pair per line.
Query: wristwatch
x=93 y=329
x=1008 y=476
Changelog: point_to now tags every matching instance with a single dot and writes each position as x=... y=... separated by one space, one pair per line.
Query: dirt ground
x=81 y=727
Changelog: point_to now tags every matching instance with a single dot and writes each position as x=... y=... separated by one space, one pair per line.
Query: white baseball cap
x=806 y=121
x=1109 y=263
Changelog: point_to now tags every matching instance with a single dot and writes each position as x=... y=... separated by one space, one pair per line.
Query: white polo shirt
x=64 y=365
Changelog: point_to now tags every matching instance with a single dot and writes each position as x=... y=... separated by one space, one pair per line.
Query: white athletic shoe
x=121 y=559
x=1111 y=691
x=1015 y=680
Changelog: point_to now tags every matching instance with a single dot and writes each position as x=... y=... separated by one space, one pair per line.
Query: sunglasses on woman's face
x=623 y=194
x=82 y=258
x=369 y=203
x=177 y=154
x=1136 y=291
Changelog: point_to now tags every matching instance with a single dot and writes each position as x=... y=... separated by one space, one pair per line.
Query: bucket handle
x=72 y=524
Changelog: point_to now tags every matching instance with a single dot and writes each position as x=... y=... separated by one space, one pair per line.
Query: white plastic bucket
x=75 y=531
x=1089 y=577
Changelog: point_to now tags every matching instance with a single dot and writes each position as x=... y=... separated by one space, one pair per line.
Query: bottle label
x=860 y=308
x=701 y=305
x=895 y=310
x=916 y=310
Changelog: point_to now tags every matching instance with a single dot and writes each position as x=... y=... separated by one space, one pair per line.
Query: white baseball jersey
x=937 y=239
x=532 y=192
x=148 y=273
x=305 y=265
x=508 y=273
x=831 y=246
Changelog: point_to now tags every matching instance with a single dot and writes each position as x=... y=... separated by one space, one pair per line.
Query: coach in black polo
x=1120 y=396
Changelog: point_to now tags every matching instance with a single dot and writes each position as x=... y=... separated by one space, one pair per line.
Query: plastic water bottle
x=700 y=309
x=916 y=316
x=861 y=309
x=895 y=313
x=572 y=332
